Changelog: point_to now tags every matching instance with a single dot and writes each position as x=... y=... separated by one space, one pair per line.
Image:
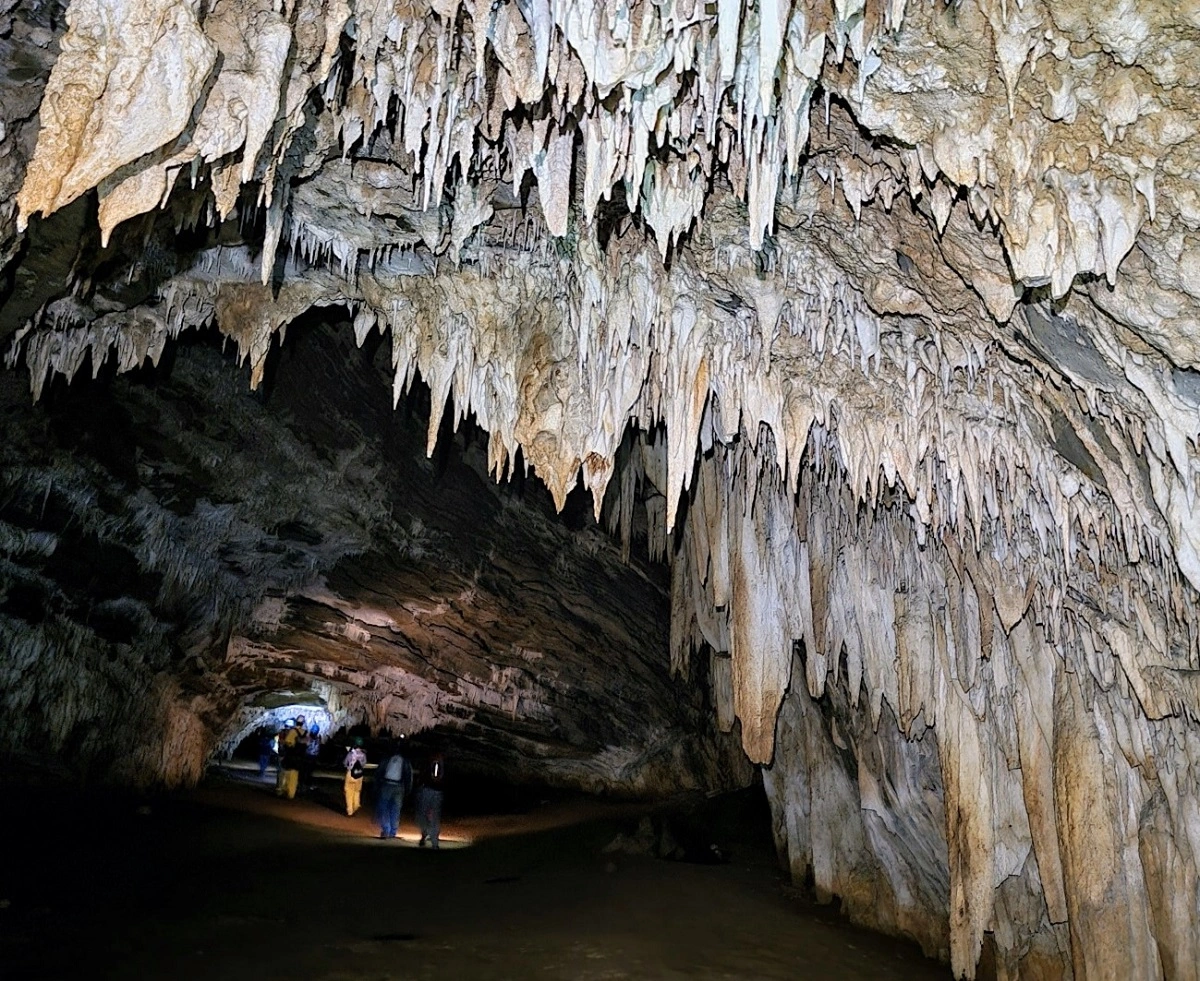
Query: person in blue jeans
x=395 y=781
x=429 y=800
x=266 y=750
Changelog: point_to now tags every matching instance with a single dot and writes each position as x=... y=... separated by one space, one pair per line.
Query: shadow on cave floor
x=226 y=882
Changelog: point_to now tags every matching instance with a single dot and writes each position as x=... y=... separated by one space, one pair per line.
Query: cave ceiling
x=879 y=321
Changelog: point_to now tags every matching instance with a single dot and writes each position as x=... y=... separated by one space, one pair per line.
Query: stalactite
x=919 y=365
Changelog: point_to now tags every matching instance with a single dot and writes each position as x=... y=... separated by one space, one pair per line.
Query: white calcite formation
x=920 y=284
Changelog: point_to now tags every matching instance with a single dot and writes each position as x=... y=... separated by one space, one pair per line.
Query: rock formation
x=882 y=319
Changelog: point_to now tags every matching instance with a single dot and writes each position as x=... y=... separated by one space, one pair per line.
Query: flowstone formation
x=909 y=290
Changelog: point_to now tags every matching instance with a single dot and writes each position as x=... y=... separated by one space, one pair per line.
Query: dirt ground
x=228 y=883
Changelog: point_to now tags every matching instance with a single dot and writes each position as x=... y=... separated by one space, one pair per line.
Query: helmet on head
x=289 y=723
x=315 y=729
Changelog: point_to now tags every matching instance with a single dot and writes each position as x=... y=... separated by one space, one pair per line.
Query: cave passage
x=597 y=822
x=643 y=404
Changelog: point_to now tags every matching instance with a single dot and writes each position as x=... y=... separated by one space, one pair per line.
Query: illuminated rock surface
x=908 y=295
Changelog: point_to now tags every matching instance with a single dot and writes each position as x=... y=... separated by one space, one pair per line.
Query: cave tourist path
x=228 y=883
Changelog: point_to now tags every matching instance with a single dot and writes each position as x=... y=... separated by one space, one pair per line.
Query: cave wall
x=1063 y=835
x=949 y=758
x=859 y=814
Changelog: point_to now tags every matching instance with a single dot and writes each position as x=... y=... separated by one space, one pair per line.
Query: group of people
x=296 y=747
x=395 y=779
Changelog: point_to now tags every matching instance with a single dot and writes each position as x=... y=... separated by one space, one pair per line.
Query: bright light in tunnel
x=314 y=715
x=273 y=710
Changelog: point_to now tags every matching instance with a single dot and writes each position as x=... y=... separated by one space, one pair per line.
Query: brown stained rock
x=1110 y=927
x=124 y=84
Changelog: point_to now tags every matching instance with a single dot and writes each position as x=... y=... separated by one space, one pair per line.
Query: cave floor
x=226 y=882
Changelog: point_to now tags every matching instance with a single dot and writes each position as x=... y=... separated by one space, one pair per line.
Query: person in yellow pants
x=291 y=782
x=291 y=750
x=355 y=764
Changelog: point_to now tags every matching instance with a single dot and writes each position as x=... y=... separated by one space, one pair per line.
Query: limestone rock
x=876 y=320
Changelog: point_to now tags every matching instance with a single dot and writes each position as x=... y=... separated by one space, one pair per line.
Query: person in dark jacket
x=266 y=750
x=308 y=766
x=429 y=799
x=394 y=780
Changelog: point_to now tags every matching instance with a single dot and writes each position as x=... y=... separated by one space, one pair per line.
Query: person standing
x=266 y=749
x=278 y=748
x=355 y=764
x=429 y=800
x=312 y=750
x=395 y=780
x=292 y=752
